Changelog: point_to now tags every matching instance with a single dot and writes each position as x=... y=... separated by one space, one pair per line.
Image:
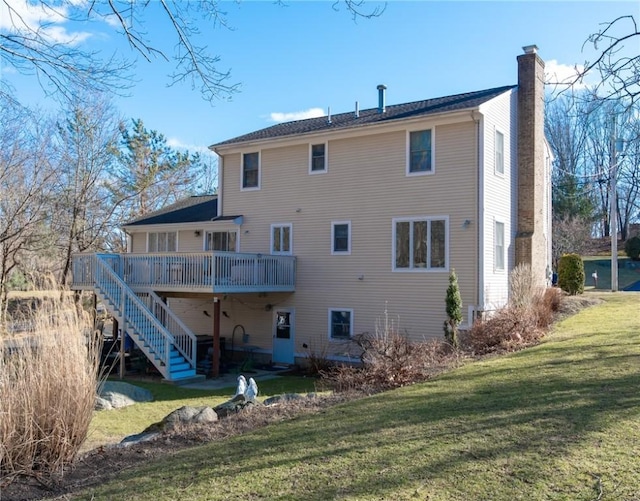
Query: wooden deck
x=223 y=272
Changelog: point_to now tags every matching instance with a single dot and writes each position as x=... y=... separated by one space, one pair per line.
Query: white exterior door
x=283 y=336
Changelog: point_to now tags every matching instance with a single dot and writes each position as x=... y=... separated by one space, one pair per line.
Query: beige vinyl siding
x=188 y=241
x=499 y=198
x=246 y=310
x=139 y=242
x=366 y=183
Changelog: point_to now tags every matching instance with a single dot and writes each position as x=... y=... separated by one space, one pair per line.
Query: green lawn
x=560 y=421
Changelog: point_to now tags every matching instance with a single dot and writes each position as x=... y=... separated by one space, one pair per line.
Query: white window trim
x=495 y=152
x=281 y=253
x=204 y=239
x=253 y=188
x=408 y=152
x=167 y=231
x=329 y=329
x=495 y=246
x=326 y=159
x=333 y=238
x=428 y=269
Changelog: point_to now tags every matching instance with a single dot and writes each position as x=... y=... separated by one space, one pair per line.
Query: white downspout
x=220 y=183
x=479 y=119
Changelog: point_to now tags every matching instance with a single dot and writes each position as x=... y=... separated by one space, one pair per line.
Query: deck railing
x=203 y=271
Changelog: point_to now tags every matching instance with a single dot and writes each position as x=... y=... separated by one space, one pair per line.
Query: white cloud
x=563 y=75
x=279 y=117
x=24 y=17
x=175 y=143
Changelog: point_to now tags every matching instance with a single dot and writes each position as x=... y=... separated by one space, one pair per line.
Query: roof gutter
x=355 y=130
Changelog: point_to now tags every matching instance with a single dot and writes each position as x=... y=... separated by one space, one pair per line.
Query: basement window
x=340 y=323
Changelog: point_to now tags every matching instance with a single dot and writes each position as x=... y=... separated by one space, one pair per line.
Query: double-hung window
x=499 y=150
x=221 y=241
x=340 y=323
x=162 y=241
x=318 y=158
x=341 y=237
x=251 y=171
x=281 y=238
x=420 y=152
x=420 y=244
x=499 y=243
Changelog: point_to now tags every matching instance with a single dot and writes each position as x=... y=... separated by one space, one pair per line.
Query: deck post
x=215 y=366
x=94 y=311
x=115 y=334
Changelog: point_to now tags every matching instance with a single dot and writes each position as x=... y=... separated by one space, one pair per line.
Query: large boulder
x=117 y=394
x=183 y=416
x=235 y=405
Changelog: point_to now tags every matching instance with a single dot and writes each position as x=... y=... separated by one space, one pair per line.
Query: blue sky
x=303 y=57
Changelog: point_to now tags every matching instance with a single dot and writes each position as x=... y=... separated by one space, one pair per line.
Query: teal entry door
x=283 y=334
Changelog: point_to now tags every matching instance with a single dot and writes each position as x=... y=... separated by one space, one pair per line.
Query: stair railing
x=155 y=336
x=185 y=340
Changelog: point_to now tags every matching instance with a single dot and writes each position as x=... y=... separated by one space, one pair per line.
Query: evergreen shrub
x=632 y=248
x=571 y=274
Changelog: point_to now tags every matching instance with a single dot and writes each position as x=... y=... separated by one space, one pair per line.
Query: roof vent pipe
x=329 y=115
x=357 y=110
x=381 y=106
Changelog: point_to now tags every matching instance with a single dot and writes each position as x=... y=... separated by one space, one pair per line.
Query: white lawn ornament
x=242 y=386
x=252 y=390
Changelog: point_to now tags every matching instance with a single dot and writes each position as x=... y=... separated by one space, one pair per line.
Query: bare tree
x=572 y=187
x=571 y=234
x=25 y=187
x=87 y=140
x=618 y=62
x=32 y=42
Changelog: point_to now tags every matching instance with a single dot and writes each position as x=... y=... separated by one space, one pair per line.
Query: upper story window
x=221 y=241
x=251 y=171
x=340 y=323
x=420 y=244
x=163 y=241
x=499 y=243
x=318 y=158
x=341 y=237
x=281 y=238
x=499 y=147
x=420 y=152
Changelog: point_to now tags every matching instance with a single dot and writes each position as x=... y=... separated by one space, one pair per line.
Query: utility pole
x=613 y=213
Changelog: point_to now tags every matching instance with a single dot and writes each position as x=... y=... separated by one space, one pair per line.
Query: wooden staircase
x=153 y=327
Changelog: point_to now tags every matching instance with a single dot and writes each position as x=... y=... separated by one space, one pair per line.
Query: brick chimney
x=531 y=244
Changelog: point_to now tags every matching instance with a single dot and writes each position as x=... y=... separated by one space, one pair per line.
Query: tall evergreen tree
x=151 y=174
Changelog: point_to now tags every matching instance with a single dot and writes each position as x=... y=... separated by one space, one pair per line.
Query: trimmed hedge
x=571 y=274
x=632 y=248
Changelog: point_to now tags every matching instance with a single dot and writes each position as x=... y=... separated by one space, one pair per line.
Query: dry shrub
x=48 y=384
x=318 y=360
x=523 y=322
x=509 y=329
x=389 y=360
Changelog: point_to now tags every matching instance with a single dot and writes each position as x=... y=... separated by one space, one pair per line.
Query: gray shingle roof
x=371 y=116
x=188 y=210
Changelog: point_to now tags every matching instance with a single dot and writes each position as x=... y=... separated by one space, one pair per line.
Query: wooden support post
x=94 y=312
x=215 y=366
x=116 y=330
